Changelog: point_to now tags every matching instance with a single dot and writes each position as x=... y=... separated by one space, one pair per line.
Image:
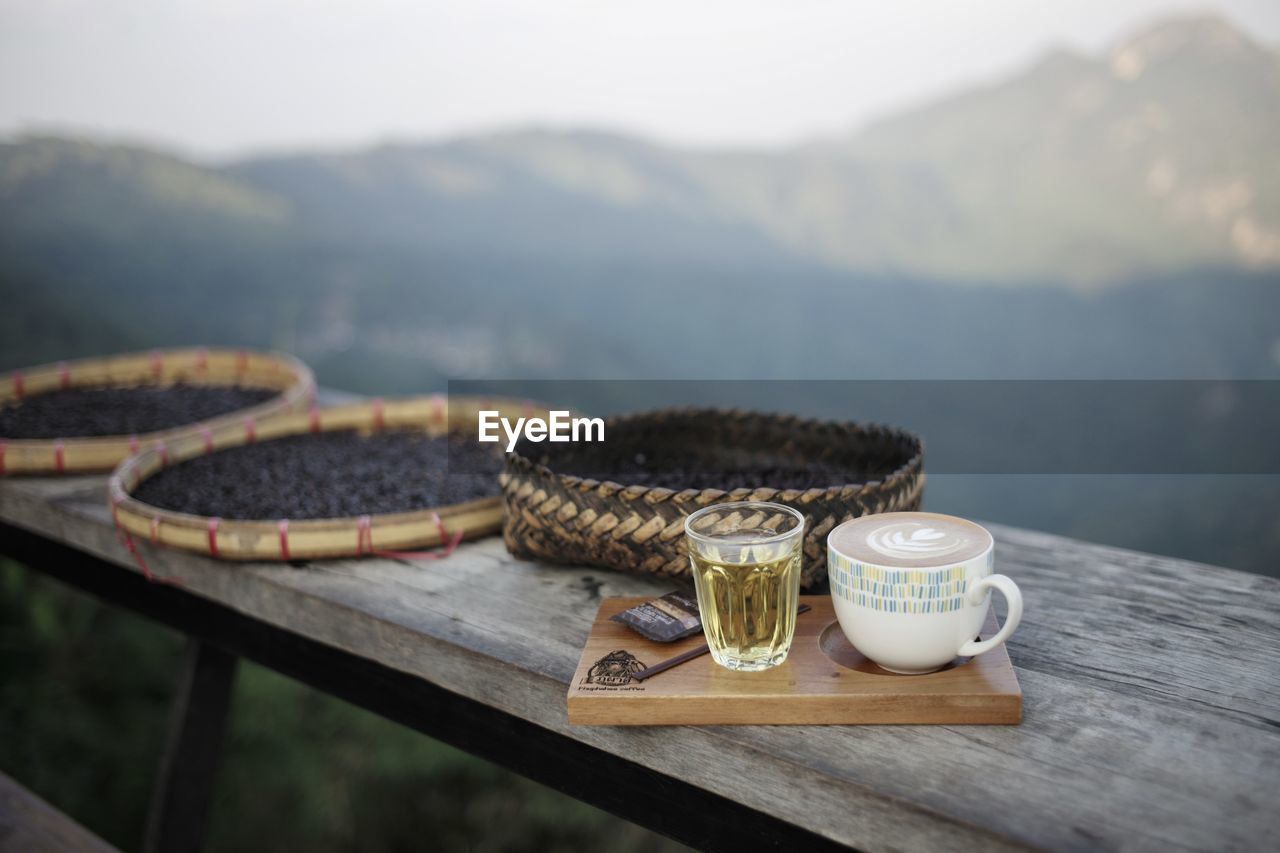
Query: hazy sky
x=218 y=77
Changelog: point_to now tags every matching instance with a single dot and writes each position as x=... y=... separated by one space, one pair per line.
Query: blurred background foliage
x=89 y=687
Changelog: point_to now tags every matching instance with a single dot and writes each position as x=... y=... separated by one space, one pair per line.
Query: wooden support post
x=188 y=766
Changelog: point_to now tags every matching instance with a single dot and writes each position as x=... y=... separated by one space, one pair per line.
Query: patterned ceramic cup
x=911 y=589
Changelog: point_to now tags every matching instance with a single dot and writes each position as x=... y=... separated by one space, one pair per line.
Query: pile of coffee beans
x=777 y=475
x=84 y=412
x=328 y=475
x=675 y=467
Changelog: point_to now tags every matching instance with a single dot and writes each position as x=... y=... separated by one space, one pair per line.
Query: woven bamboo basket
x=284 y=539
x=565 y=518
x=195 y=366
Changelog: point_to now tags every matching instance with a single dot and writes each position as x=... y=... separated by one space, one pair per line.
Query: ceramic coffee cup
x=911 y=589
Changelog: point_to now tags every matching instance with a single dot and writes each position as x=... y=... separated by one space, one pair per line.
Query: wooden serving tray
x=824 y=681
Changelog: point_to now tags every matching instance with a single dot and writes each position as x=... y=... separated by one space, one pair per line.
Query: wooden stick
x=695 y=652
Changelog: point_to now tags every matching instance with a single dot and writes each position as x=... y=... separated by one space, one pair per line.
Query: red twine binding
x=449 y=542
x=157 y=364
x=202 y=359
x=207 y=435
x=313 y=419
x=126 y=541
x=59 y=456
x=213 y=535
x=133 y=445
x=364 y=535
x=64 y=375
x=155 y=530
x=437 y=408
x=242 y=361
x=4 y=445
x=364 y=542
x=283 y=527
x=163 y=450
x=379 y=415
x=250 y=430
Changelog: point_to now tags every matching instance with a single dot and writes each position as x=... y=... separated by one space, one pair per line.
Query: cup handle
x=1012 y=595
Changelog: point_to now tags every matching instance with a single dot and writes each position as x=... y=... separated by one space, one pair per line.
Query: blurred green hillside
x=1080 y=171
x=88 y=687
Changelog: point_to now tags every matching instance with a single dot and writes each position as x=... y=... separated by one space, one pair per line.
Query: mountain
x=1112 y=216
x=104 y=192
x=1161 y=154
x=526 y=194
x=1081 y=171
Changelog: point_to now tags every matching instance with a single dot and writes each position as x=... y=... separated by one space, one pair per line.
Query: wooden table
x=1151 y=712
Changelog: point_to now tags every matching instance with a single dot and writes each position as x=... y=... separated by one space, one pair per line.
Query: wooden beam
x=30 y=825
x=668 y=805
x=188 y=766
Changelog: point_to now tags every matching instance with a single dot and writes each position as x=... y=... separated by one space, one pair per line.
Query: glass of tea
x=746 y=566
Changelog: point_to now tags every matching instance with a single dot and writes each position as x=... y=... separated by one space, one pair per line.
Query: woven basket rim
x=301 y=385
x=573 y=481
x=118 y=486
x=396 y=413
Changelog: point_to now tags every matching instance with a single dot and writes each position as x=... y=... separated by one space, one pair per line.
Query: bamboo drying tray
x=194 y=366
x=277 y=539
x=569 y=519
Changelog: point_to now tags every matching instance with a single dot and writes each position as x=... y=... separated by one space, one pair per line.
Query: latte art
x=910 y=540
x=913 y=540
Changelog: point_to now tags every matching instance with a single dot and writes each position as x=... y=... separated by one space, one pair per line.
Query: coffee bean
x=328 y=475
x=672 y=466
x=82 y=412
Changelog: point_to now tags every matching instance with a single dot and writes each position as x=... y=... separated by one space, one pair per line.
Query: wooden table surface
x=1151 y=709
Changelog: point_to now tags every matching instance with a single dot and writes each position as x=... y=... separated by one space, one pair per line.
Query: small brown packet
x=664 y=619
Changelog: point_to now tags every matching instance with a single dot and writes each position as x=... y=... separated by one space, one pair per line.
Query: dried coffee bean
x=83 y=412
x=328 y=475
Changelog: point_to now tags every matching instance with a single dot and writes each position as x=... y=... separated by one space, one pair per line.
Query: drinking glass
x=746 y=567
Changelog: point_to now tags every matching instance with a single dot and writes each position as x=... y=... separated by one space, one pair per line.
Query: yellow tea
x=747 y=598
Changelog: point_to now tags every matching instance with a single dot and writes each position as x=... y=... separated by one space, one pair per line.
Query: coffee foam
x=910 y=539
